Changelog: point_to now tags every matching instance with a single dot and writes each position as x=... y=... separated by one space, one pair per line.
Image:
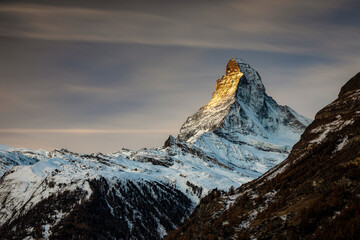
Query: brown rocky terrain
x=313 y=194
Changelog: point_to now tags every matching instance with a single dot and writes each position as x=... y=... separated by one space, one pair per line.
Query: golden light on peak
x=227 y=85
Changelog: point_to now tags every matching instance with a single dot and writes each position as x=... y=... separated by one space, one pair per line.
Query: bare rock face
x=313 y=194
x=227 y=91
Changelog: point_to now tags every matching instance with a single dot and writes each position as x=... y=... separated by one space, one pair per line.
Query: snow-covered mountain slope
x=93 y=196
x=169 y=181
x=142 y=194
x=241 y=123
x=10 y=157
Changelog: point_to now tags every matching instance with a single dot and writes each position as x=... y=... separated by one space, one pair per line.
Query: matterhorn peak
x=226 y=86
x=241 y=83
x=237 y=70
x=251 y=75
x=240 y=106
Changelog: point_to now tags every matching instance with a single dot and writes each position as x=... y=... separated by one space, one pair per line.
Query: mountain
x=143 y=194
x=313 y=194
x=242 y=127
x=10 y=157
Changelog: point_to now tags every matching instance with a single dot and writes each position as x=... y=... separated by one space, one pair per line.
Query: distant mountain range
x=313 y=194
x=239 y=135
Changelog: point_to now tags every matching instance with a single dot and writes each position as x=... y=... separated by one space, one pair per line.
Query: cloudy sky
x=96 y=76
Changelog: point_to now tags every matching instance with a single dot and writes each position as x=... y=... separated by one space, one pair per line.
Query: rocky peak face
x=227 y=85
x=251 y=90
x=240 y=101
x=206 y=119
x=242 y=123
x=240 y=81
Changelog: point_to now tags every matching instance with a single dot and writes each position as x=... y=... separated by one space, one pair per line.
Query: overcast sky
x=96 y=76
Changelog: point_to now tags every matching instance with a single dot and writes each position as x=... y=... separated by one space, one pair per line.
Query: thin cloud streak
x=47 y=23
x=86 y=131
x=257 y=29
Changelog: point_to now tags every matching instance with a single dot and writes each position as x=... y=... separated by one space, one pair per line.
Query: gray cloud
x=256 y=25
x=311 y=88
x=128 y=73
